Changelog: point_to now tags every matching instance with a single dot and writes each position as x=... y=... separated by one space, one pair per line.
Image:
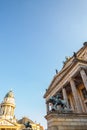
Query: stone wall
x=66 y=121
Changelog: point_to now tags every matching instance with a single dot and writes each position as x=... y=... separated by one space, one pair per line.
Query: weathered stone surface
x=66 y=121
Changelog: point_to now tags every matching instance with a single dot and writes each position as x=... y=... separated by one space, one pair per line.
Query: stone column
x=65 y=96
x=75 y=95
x=71 y=103
x=5 y=110
x=81 y=102
x=84 y=77
x=12 y=111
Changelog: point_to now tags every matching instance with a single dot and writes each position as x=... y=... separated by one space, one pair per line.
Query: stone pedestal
x=66 y=121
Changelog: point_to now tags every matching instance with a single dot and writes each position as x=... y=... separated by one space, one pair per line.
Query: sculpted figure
x=28 y=125
x=56 y=101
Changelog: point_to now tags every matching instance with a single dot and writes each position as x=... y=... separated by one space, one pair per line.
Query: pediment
x=4 y=122
x=69 y=64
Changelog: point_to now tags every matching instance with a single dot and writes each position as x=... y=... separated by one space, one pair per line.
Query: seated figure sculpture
x=58 y=101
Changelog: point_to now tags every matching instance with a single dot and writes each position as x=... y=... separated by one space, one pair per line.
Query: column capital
x=63 y=88
x=71 y=79
x=81 y=68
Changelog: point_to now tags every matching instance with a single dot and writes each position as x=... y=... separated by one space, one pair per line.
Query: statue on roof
x=66 y=60
x=85 y=43
x=56 y=71
x=74 y=54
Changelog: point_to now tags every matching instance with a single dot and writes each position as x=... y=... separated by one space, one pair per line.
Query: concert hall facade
x=71 y=82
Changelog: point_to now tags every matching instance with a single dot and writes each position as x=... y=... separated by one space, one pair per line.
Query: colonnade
x=8 y=110
x=78 y=103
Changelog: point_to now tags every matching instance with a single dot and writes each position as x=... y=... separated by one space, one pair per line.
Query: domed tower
x=8 y=106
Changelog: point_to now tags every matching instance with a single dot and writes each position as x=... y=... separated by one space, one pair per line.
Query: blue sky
x=35 y=37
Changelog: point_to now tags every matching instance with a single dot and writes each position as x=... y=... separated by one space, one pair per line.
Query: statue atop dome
x=10 y=94
x=8 y=106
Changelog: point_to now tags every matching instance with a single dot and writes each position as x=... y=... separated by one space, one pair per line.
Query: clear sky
x=35 y=37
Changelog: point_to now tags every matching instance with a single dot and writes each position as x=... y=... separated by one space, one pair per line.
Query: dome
x=9 y=94
x=8 y=106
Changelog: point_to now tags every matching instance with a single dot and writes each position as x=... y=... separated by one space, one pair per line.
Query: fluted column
x=75 y=95
x=84 y=77
x=65 y=96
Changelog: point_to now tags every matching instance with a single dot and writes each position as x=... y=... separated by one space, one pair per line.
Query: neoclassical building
x=35 y=126
x=71 y=82
x=7 y=117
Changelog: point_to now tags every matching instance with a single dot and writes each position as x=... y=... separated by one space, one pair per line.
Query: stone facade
x=34 y=125
x=71 y=82
x=66 y=121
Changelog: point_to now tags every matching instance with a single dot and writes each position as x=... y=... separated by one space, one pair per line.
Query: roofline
x=62 y=70
x=49 y=90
